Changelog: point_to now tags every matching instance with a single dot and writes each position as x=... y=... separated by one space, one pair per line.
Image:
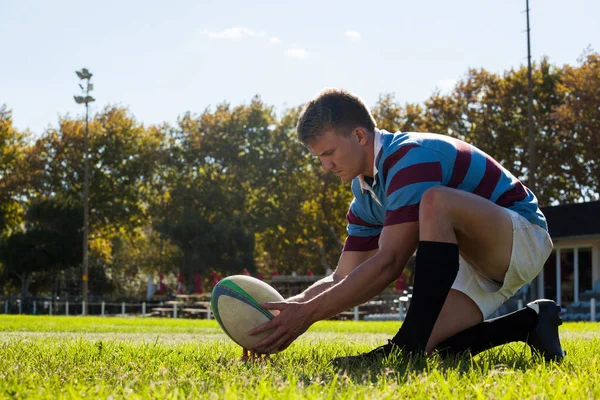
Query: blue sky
x=161 y=58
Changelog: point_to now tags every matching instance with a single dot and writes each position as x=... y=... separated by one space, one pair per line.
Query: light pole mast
x=531 y=136
x=85 y=75
x=537 y=285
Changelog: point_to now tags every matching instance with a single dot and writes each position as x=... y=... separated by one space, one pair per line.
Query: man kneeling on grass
x=478 y=232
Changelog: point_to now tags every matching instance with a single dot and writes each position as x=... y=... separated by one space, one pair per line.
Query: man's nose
x=327 y=165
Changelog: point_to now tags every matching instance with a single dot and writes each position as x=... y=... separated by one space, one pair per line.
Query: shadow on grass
x=309 y=365
x=401 y=365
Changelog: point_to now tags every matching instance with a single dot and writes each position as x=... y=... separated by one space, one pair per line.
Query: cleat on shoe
x=544 y=339
x=368 y=358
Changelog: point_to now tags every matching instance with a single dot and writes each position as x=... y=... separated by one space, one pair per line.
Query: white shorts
x=531 y=248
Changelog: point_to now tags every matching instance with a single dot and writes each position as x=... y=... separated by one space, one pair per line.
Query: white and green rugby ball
x=236 y=301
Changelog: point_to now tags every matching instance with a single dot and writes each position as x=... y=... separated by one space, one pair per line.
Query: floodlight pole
x=537 y=285
x=531 y=136
x=84 y=74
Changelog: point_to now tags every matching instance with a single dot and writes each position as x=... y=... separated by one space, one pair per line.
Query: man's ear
x=362 y=136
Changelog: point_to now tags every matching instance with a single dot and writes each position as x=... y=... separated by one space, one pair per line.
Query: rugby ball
x=235 y=303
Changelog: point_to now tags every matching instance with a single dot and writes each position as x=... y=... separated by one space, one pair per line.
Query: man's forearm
x=362 y=284
x=315 y=289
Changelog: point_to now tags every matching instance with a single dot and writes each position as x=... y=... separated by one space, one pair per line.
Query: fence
x=172 y=309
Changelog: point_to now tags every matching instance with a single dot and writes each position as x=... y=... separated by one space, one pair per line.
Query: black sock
x=435 y=271
x=513 y=327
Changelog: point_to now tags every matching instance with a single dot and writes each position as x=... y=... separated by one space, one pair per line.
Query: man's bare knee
x=432 y=203
x=435 y=223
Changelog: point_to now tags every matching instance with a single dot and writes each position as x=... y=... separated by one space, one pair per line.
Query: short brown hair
x=336 y=109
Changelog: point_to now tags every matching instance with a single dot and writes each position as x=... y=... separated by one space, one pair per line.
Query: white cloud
x=274 y=40
x=297 y=53
x=446 y=85
x=235 y=33
x=354 y=35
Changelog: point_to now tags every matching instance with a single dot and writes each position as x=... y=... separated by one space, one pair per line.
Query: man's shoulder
x=426 y=140
x=419 y=147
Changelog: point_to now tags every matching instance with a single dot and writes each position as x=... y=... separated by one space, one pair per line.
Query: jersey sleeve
x=409 y=172
x=363 y=232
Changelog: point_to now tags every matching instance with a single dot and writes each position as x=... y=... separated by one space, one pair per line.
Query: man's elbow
x=393 y=265
x=337 y=276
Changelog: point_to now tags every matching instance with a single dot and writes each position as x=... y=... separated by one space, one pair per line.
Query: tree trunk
x=25 y=281
x=335 y=236
x=323 y=254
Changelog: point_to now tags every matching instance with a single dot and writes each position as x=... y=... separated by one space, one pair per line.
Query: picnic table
x=193 y=296
x=350 y=315
x=162 y=311
x=196 y=312
x=176 y=308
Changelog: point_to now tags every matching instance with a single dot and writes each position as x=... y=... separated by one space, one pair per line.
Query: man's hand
x=293 y=320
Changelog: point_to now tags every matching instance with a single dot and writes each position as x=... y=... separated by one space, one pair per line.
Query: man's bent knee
x=435 y=223
x=433 y=202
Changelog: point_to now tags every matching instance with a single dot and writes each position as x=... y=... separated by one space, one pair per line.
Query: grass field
x=87 y=357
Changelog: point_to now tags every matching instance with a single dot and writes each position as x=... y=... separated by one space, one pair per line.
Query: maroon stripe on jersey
x=361 y=243
x=396 y=156
x=490 y=179
x=353 y=219
x=511 y=196
x=423 y=172
x=461 y=163
x=402 y=215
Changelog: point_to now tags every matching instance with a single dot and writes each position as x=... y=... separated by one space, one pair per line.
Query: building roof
x=570 y=220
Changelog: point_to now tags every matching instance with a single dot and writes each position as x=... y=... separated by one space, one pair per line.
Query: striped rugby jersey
x=407 y=164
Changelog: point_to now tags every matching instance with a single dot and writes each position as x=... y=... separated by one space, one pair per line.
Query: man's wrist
x=316 y=309
x=299 y=298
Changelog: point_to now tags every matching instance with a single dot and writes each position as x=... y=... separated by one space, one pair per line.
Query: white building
x=574 y=266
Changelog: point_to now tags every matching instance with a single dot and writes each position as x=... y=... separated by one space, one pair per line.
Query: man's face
x=342 y=155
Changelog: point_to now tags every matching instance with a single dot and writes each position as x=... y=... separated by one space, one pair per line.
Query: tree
x=123 y=157
x=51 y=241
x=392 y=117
x=306 y=224
x=577 y=122
x=13 y=182
x=490 y=111
x=215 y=163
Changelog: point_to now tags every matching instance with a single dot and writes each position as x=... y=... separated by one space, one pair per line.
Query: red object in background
x=275 y=273
x=198 y=284
x=215 y=277
x=310 y=273
x=245 y=272
x=162 y=288
x=401 y=284
x=260 y=276
x=180 y=283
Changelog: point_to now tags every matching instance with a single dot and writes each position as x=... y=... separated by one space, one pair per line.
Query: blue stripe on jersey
x=474 y=173
x=408 y=195
x=505 y=183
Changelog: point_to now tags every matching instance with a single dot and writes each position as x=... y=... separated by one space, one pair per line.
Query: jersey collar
x=377 y=145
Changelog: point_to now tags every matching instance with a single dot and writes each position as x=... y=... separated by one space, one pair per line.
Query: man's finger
x=272 y=338
x=275 y=347
x=274 y=305
x=263 y=327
